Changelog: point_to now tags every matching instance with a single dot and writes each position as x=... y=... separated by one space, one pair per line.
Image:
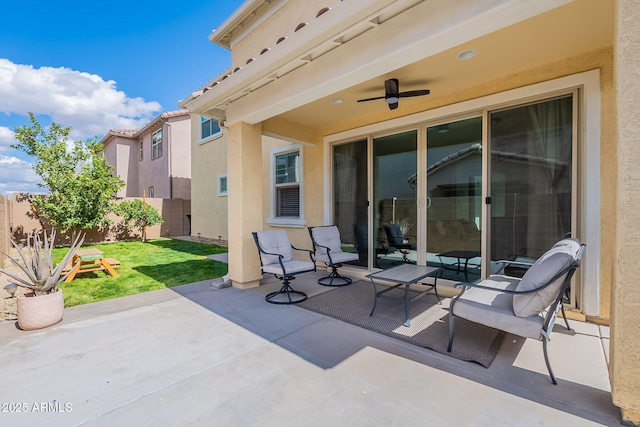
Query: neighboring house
x=155 y=160
x=549 y=90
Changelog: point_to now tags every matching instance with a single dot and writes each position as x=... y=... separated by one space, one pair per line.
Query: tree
x=80 y=183
x=137 y=214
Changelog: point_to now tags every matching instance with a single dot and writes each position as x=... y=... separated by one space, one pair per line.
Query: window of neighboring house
x=222 y=185
x=286 y=197
x=151 y=192
x=140 y=152
x=156 y=144
x=209 y=127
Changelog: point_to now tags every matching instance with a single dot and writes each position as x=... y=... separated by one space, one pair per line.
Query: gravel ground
x=8 y=304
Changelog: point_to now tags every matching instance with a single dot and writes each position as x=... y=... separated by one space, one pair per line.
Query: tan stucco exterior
x=351 y=49
x=282 y=23
x=625 y=319
x=209 y=161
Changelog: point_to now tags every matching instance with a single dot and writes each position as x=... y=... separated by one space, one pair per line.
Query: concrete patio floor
x=197 y=355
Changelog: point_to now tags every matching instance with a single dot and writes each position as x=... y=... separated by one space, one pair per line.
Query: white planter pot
x=37 y=312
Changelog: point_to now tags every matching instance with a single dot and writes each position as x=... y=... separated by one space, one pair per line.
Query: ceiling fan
x=392 y=93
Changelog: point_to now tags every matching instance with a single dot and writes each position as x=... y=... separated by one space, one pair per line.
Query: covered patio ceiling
x=565 y=32
x=298 y=80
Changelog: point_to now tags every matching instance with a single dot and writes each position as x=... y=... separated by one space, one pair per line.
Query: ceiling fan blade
x=414 y=93
x=371 y=99
x=393 y=106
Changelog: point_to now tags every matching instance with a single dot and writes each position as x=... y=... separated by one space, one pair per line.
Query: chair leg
x=451 y=319
x=564 y=316
x=546 y=360
x=287 y=290
x=334 y=279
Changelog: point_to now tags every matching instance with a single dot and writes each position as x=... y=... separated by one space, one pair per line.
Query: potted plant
x=44 y=305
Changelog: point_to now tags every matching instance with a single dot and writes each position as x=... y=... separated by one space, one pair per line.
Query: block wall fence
x=18 y=221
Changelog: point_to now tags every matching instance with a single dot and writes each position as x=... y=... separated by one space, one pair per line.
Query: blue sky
x=100 y=66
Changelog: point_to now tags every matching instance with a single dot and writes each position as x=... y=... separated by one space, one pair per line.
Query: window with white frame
x=156 y=144
x=140 y=151
x=208 y=127
x=286 y=178
x=222 y=185
x=151 y=192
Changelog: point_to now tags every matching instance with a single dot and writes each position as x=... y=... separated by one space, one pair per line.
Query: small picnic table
x=91 y=259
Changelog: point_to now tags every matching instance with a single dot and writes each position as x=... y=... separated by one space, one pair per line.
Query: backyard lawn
x=156 y=264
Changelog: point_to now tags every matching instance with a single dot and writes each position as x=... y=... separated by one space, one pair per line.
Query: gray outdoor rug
x=429 y=321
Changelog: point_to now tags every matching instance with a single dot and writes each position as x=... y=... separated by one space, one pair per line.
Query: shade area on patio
x=196 y=355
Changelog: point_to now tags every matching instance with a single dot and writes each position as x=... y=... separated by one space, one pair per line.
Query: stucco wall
x=4 y=227
x=179 y=146
x=312 y=172
x=124 y=166
x=173 y=211
x=154 y=172
x=286 y=19
x=210 y=211
x=625 y=325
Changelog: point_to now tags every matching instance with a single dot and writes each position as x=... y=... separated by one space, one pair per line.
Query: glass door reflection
x=394 y=199
x=454 y=198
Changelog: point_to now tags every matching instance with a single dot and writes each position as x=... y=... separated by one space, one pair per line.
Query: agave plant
x=404 y=225
x=37 y=263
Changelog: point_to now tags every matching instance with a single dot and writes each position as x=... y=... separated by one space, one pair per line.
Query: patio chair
x=399 y=241
x=327 y=247
x=276 y=258
x=361 y=235
x=526 y=307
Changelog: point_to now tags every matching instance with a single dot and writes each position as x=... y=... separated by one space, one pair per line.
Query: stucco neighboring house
x=548 y=88
x=156 y=159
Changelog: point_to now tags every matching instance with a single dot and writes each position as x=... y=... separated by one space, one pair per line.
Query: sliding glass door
x=394 y=198
x=531 y=178
x=454 y=198
x=462 y=194
x=350 y=197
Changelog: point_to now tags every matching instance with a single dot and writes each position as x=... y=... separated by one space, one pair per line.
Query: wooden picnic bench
x=90 y=259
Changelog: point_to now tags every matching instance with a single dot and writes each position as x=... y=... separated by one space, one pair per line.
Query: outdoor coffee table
x=405 y=275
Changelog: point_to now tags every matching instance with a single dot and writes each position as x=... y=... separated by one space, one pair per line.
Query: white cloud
x=17 y=176
x=82 y=100
x=6 y=138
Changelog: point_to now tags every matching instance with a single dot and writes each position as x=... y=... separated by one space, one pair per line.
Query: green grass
x=156 y=264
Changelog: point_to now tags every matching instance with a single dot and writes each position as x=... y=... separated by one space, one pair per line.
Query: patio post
x=625 y=298
x=245 y=202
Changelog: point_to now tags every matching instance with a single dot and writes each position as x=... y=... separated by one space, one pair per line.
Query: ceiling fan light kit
x=392 y=93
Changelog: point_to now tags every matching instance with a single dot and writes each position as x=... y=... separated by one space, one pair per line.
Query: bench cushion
x=552 y=262
x=495 y=309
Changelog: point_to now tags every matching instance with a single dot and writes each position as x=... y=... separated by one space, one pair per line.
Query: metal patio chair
x=276 y=257
x=525 y=306
x=327 y=246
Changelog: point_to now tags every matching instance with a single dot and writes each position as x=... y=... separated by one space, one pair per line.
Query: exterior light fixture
x=11 y=288
x=337 y=100
x=466 y=54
